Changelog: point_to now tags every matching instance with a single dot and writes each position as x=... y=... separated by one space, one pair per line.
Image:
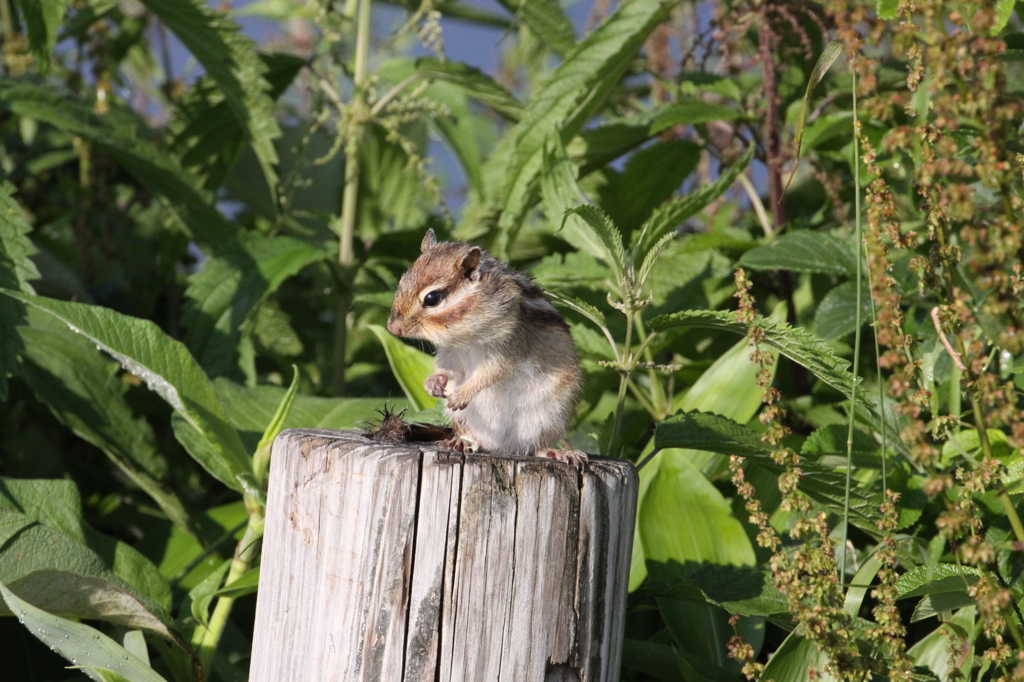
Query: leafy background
x=786 y=235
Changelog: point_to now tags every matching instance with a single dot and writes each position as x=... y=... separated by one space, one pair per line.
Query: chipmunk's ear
x=429 y=241
x=471 y=264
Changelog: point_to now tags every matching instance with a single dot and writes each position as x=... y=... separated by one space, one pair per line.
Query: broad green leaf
x=81 y=388
x=716 y=433
x=836 y=315
x=827 y=446
x=62 y=541
x=95 y=597
x=16 y=269
x=728 y=387
x=250 y=409
x=651 y=176
x=410 y=366
x=710 y=534
x=794 y=660
x=744 y=590
x=563 y=104
x=227 y=55
x=82 y=645
x=938 y=579
x=671 y=215
x=42 y=18
x=224 y=293
x=114 y=134
x=474 y=83
x=803 y=251
x=1004 y=10
x=933 y=650
x=167 y=368
x=691 y=112
x=547 y=19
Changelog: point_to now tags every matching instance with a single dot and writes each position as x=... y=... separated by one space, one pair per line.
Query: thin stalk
x=620 y=402
x=391 y=94
x=357 y=119
x=857 y=333
x=207 y=638
x=6 y=20
x=658 y=399
x=881 y=395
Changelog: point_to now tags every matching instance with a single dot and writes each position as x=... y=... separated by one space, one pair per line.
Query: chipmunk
x=506 y=364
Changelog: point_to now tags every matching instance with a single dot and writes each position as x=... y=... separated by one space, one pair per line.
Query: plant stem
x=357 y=118
x=209 y=636
x=620 y=402
x=857 y=333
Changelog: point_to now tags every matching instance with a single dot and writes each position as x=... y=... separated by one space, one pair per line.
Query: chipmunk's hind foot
x=573 y=457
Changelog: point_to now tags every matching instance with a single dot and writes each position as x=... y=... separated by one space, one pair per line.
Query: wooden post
x=409 y=564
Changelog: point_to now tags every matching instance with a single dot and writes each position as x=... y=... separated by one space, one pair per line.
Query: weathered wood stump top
x=404 y=562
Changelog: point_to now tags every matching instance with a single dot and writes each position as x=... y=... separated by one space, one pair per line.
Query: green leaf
x=1004 y=10
x=651 y=176
x=797 y=344
x=229 y=287
x=794 y=660
x=601 y=237
x=937 y=579
x=81 y=388
x=803 y=251
x=82 y=645
x=932 y=651
x=671 y=215
x=261 y=460
x=114 y=134
x=825 y=60
x=582 y=307
x=563 y=104
x=53 y=558
x=691 y=112
x=410 y=366
x=715 y=433
x=836 y=315
x=202 y=594
x=42 y=19
x=710 y=535
x=167 y=368
x=16 y=269
x=889 y=9
x=474 y=83
x=247 y=583
x=547 y=19
x=227 y=55
x=250 y=409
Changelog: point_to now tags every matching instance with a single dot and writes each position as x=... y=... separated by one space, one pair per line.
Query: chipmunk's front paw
x=457 y=401
x=573 y=457
x=435 y=385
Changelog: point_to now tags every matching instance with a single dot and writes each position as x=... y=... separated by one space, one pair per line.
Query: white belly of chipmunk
x=517 y=415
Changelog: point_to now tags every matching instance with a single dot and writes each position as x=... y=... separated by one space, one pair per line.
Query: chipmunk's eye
x=432 y=299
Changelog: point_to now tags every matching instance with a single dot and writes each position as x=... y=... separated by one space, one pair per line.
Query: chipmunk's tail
x=392 y=428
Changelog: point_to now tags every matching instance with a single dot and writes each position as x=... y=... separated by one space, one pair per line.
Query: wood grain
x=409 y=564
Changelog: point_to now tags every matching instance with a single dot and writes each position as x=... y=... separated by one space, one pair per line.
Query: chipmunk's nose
x=394 y=326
